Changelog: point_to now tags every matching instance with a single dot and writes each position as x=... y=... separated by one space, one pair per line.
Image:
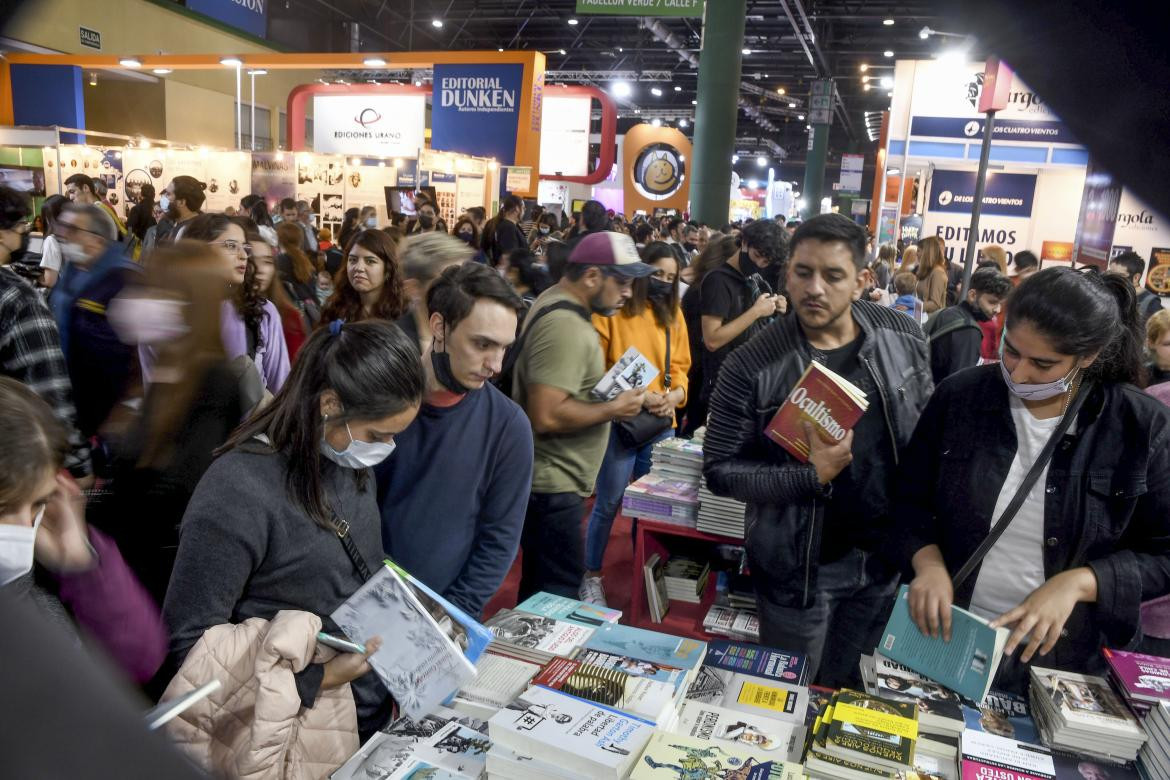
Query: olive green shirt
x=562 y=351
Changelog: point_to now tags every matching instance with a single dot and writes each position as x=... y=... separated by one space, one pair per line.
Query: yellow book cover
x=873 y=731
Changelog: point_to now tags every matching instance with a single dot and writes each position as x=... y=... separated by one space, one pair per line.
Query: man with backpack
x=558 y=363
x=954 y=334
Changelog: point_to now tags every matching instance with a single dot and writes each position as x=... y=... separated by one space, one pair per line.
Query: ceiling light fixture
x=781 y=91
x=865 y=79
x=888 y=22
x=374 y=62
x=656 y=122
x=656 y=92
x=93 y=79
x=694 y=102
x=864 y=67
x=925 y=33
x=621 y=89
x=573 y=22
x=161 y=71
x=418 y=83
x=562 y=51
x=437 y=24
x=734 y=159
x=792 y=105
x=500 y=49
x=130 y=62
x=887 y=82
x=682 y=123
x=745 y=52
x=867 y=87
x=887 y=53
x=677 y=88
x=800 y=117
x=231 y=62
x=257 y=72
x=890 y=93
x=761 y=161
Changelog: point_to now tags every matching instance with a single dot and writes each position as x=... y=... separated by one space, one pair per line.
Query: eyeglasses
x=21 y=227
x=234 y=247
x=64 y=230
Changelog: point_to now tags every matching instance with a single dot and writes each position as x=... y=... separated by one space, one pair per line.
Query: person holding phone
x=267 y=527
x=1091 y=539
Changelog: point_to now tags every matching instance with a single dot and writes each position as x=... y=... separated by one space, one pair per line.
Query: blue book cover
x=476 y=637
x=1003 y=714
x=646 y=645
x=757 y=660
x=966 y=664
x=567 y=609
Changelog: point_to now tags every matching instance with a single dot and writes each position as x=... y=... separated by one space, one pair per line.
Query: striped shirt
x=30 y=352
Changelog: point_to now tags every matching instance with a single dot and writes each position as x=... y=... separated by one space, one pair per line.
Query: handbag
x=1022 y=491
x=643 y=428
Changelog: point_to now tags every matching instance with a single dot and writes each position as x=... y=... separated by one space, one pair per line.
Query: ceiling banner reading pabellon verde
x=641 y=7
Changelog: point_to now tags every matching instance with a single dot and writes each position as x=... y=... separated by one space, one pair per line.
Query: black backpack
x=503 y=380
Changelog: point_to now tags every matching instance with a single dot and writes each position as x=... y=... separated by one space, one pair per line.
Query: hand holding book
x=931 y=593
x=828 y=459
x=347 y=667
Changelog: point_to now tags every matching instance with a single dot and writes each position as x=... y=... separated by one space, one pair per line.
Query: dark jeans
x=852 y=604
x=554 y=551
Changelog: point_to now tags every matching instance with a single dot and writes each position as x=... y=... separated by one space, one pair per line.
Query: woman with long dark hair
x=250 y=325
x=719 y=250
x=293 y=319
x=651 y=322
x=50 y=247
x=932 y=274
x=1091 y=540
x=370 y=284
x=296 y=272
x=141 y=217
x=349 y=225
x=286 y=518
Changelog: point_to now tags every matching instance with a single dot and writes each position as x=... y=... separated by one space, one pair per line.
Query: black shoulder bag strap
x=666 y=370
x=1022 y=491
x=342 y=530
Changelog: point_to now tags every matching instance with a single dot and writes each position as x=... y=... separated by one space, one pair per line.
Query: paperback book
x=1004 y=715
x=966 y=664
x=822 y=397
x=1081 y=713
x=760 y=661
x=656 y=596
x=401 y=746
x=438 y=645
x=775 y=738
x=535 y=632
x=1143 y=679
x=651 y=646
x=671 y=756
x=939 y=708
x=989 y=757
x=570 y=610
x=640 y=697
x=631 y=370
x=820 y=763
x=873 y=731
x=751 y=694
x=635 y=667
x=499 y=679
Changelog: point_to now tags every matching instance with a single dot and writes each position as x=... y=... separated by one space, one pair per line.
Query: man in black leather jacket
x=812 y=527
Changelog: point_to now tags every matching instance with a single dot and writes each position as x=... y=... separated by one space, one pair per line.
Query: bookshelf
x=681 y=619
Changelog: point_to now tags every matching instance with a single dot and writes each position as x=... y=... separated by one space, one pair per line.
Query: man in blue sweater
x=454 y=492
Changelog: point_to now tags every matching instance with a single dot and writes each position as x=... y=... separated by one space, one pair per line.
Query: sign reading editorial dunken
x=641 y=7
x=475 y=110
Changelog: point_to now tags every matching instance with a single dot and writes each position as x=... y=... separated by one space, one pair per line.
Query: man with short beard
x=812 y=529
x=181 y=202
x=559 y=363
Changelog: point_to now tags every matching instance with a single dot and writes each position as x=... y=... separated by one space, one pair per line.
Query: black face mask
x=689 y=246
x=426 y=221
x=441 y=364
x=659 y=290
x=17 y=254
x=468 y=237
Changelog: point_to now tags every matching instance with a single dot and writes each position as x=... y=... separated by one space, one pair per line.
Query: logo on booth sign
x=368 y=117
x=971 y=128
x=1023 y=100
x=945 y=197
x=659 y=171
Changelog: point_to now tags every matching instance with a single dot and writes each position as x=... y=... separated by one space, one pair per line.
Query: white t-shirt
x=1014 y=567
x=51 y=253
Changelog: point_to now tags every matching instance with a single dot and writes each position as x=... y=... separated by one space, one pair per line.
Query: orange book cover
x=822 y=398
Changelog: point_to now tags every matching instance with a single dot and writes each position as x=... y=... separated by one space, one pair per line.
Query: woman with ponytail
x=1090 y=540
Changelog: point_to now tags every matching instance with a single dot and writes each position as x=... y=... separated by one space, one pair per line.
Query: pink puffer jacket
x=254 y=726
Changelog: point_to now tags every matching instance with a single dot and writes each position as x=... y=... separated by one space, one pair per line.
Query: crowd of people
x=210 y=418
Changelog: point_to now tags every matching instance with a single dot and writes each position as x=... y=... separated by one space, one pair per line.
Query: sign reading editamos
x=369 y=125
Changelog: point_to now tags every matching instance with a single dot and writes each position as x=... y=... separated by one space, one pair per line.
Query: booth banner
x=469 y=192
x=1011 y=233
x=641 y=7
x=1158 y=275
x=321 y=182
x=158 y=167
x=229 y=178
x=476 y=109
x=564 y=139
x=852 y=166
x=407 y=173
x=370 y=124
x=1097 y=219
x=251 y=16
x=366 y=183
x=1056 y=251
x=1006 y=194
x=274 y=177
x=97 y=162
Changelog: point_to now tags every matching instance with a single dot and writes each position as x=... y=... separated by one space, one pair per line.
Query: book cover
x=1085 y=702
x=504 y=762
x=775 y=738
x=1072 y=767
x=872 y=730
x=822 y=397
x=749 y=693
x=564 y=608
x=393 y=748
x=988 y=757
x=546 y=634
x=552 y=726
x=760 y=661
x=641 y=697
x=499 y=679
x=936 y=703
x=673 y=756
x=631 y=370
x=966 y=664
x=1142 y=677
x=1004 y=715
x=437 y=644
x=652 y=646
x=656 y=595
x=819 y=759
x=635 y=667
x=455 y=751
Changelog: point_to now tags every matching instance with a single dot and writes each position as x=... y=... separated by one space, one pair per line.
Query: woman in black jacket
x=1091 y=540
x=502 y=233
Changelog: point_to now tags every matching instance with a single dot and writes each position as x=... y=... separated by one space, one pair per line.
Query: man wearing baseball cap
x=559 y=363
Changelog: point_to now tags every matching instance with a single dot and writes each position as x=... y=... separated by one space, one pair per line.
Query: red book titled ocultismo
x=826 y=399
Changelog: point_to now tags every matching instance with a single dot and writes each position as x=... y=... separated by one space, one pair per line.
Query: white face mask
x=372 y=222
x=359 y=454
x=148 y=320
x=164 y=202
x=17 y=543
x=72 y=252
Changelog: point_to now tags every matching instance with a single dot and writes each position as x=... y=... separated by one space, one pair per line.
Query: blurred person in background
x=250 y=325
x=296 y=273
x=502 y=233
x=293 y=318
x=909 y=262
x=424 y=257
x=651 y=321
x=370 y=284
x=50 y=248
x=995 y=254
x=181 y=202
x=544 y=231
x=196 y=398
x=1026 y=264
x=932 y=274
x=527 y=278
x=720 y=249
x=1158 y=348
x=256 y=208
x=141 y=216
x=467 y=231
x=350 y=225
x=1131 y=265
x=426 y=220
x=82 y=584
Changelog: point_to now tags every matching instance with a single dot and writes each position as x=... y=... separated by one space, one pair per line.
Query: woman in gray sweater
x=286 y=517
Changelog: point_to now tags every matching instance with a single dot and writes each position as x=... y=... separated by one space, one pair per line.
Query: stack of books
x=1143 y=680
x=686 y=578
x=1082 y=714
x=1154 y=758
x=664 y=499
x=671 y=756
x=442 y=744
x=779 y=739
x=733 y=623
x=719 y=515
x=547 y=733
x=1003 y=714
x=678 y=459
x=735 y=591
x=536 y=638
x=753 y=679
x=654 y=579
x=571 y=610
x=500 y=678
x=638 y=695
x=862 y=737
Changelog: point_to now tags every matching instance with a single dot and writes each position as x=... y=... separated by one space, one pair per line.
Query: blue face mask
x=1036 y=392
x=359 y=454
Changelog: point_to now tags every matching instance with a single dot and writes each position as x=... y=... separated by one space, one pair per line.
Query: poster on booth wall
x=469 y=193
x=1007 y=211
x=321 y=183
x=1097 y=219
x=96 y=162
x=1158 y=275
x=446 y=194
x=157 y=167
x=274 y=177
x=229 y=178
x=365 y=185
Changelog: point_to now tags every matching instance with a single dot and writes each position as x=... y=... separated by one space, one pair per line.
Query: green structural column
x=716 y=110
x=814 y=172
